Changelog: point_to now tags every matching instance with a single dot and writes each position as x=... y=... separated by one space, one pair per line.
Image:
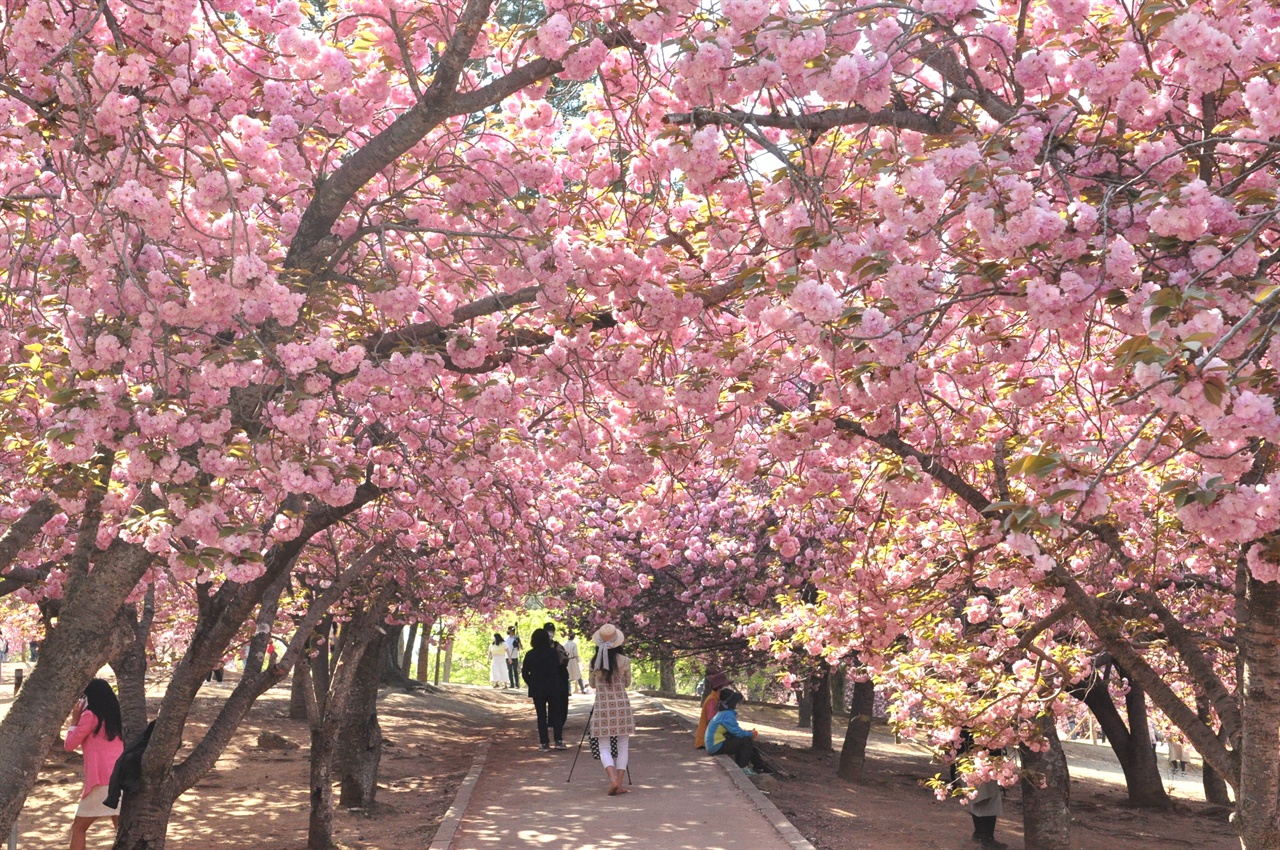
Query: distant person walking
x=96 y=729
x=498 y=675
x=513 y=656
x=575 y=663
x=548 y=685
x=612 y=723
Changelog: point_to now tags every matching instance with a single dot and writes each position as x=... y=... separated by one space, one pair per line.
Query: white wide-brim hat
x=608 y=636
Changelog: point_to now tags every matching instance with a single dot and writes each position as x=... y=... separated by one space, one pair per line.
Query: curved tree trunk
x=1131 y=742
x=820 y=699
x=1046 y=793
x=853 y=755
x=839 y=678
x=87 y=634
x=804 y=702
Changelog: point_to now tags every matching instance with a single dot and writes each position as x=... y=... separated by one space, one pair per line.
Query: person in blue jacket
x=725 y=736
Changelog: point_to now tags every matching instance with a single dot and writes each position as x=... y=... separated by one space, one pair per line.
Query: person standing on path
x=513 y=656
x=563 y=655
x=575 y=663
x=548 y=682
x=96 y=728
x=498 y=667
x=611 y=718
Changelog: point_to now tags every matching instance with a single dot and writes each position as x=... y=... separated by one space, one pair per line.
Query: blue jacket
x=723 y=725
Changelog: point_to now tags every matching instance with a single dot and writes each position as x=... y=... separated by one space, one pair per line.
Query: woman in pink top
x=95 y=727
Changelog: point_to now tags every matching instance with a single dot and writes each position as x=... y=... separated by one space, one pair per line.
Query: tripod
x=585 y=728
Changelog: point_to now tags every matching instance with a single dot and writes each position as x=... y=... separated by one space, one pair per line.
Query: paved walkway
x=517 y=797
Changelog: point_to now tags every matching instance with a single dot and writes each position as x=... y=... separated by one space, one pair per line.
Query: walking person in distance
x=612 y=722
x=97 y=730
x=548 y=682
x=498 y=675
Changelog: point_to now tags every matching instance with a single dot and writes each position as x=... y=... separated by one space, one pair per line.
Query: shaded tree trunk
x=804 y=703
x=328 y=709
x=1258 y=794
x=667 y=674
x=423 y=671
x=1046 y=793
x=298 y=693
x=1215 y=787
x=130 y=666
x=406 y=655
x=1131 y=742
x=222 y=614
x=853 y=755
x=839 y=676
x=87 y=634
x=359 y=750
x=820 y=698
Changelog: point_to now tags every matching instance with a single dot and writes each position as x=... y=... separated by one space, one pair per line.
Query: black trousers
x=513 y=672
x=984 y=827
x=552 y=710
x=742 y=749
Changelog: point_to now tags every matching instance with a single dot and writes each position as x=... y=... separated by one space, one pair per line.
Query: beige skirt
x=92 y=806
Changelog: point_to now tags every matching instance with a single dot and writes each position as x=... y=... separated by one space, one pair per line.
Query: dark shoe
x=545 y=748
x=560 y=745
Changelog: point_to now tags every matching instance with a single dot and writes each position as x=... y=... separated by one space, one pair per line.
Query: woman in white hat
x=611 y=720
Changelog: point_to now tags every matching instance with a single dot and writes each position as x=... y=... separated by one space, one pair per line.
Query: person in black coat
x=548 y=682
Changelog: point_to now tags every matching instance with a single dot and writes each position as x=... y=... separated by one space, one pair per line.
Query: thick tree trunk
x=853 y=755
x=1258 y=794
x=222 y=614
x=804 y=703
x=667 y=674
x=448 y=661
x=144 y=819
x=1131 y=743
x=298 y=694
x=320 y=823
x=1046 y=793
x=87 y=634
x=359 y=750
x=130 y=667
x=327 y=710
x=839 y=676
x=820 y=695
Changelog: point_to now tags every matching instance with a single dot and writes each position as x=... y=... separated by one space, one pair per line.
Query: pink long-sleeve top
x=99 y=754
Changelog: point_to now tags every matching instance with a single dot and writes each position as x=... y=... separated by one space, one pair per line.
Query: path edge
x=784 y=827
x=448 y=829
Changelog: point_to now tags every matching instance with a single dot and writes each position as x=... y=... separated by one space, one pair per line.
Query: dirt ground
x=894 y=810
x=258 y=799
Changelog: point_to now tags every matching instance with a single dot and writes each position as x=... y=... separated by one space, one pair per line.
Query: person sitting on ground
x=725 y=736
x=710 y=705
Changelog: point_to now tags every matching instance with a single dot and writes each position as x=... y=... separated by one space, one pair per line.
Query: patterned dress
x=612 y=715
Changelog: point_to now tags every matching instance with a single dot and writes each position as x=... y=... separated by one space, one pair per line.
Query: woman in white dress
x=612 y=723
x=498 y=662
x=575 y=664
